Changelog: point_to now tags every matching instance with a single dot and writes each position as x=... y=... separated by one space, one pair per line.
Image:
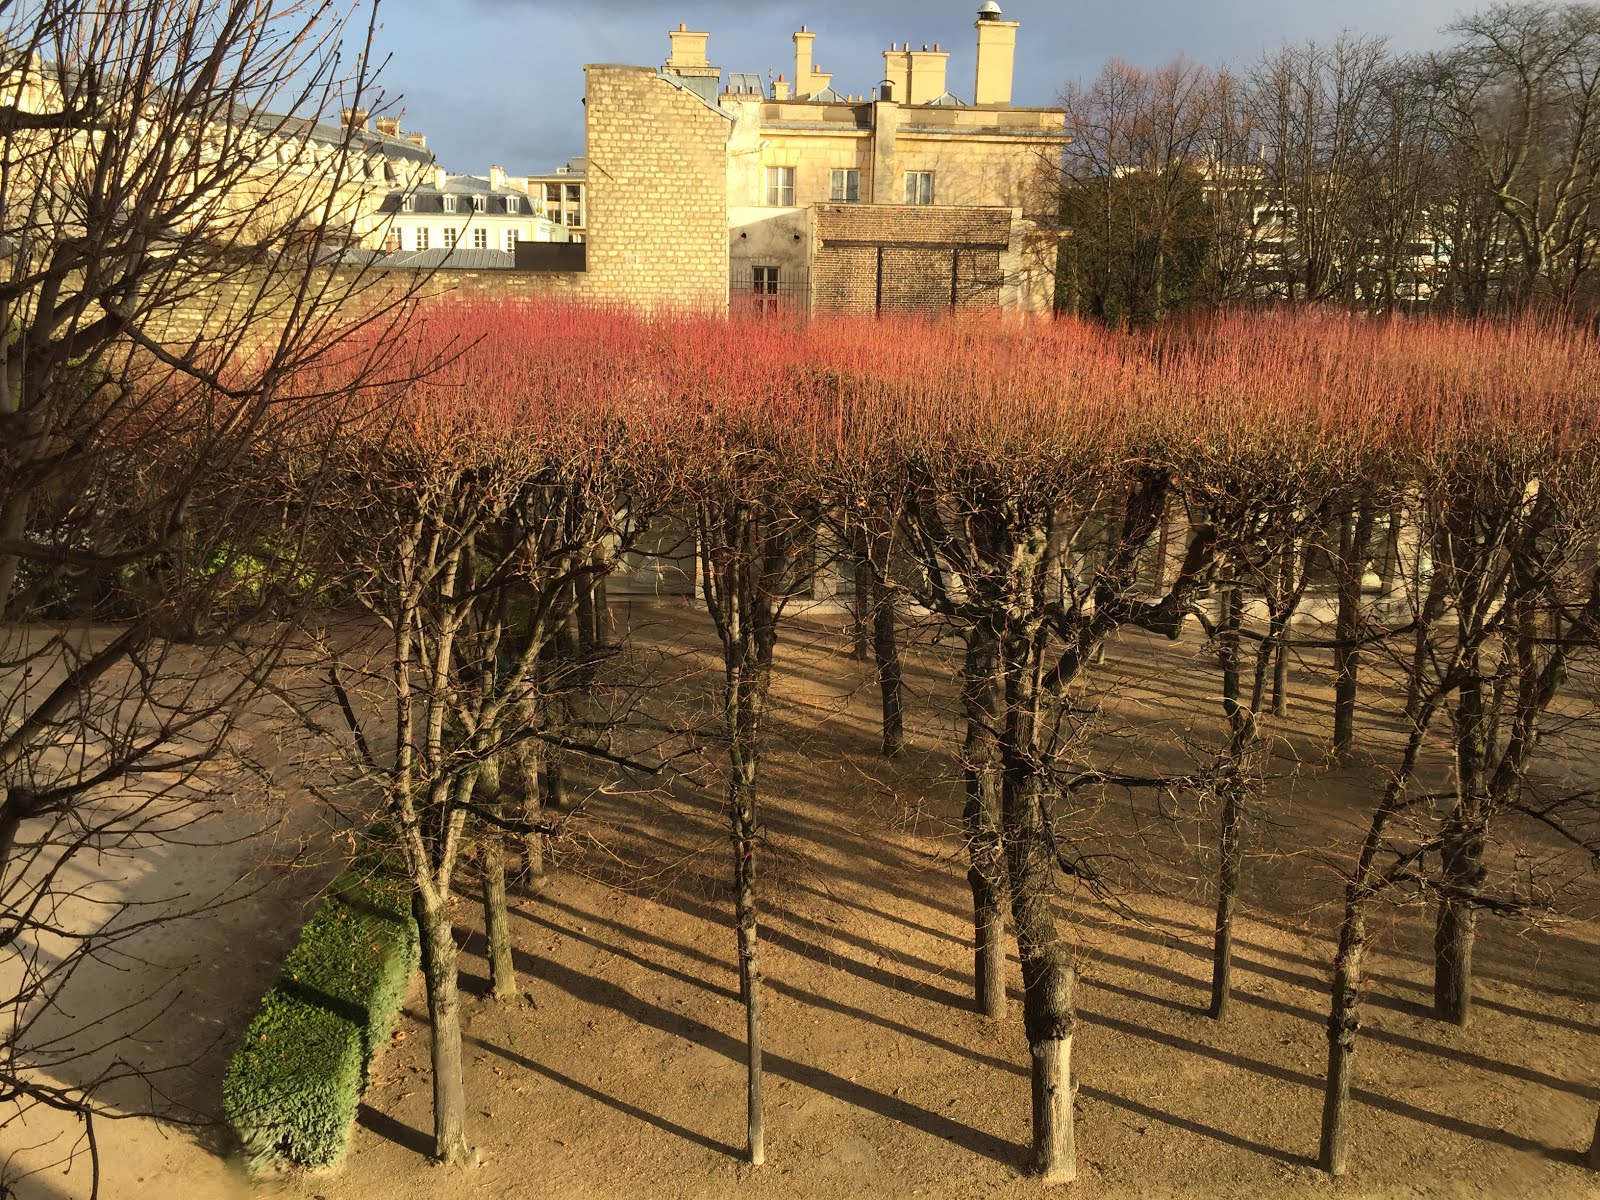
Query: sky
x=501 y=81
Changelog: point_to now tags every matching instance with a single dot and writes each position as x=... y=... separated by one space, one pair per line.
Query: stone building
x=444 y=211
x=910 y=197
x=696 y=186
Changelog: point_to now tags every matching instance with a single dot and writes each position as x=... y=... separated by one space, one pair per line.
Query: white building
x=469 y=212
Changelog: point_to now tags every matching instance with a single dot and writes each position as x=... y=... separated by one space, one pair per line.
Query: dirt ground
x=622 y=1074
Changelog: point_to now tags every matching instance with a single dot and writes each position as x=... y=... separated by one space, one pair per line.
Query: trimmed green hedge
x=293 y=1086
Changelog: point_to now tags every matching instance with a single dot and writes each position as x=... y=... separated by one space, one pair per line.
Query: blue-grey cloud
x=502 y=80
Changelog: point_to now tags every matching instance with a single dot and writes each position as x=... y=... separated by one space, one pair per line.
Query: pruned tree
x=466 y=511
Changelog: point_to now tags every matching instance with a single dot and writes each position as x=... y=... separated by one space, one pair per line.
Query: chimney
x=353 y=118
x=440 y=178
x=997 y=50
x=897 y=71
x=927 y=74
x=688 y=49
x=497 y=176
x=419 y=140
x=388 y=126
x=780 y=89
x=803 y=42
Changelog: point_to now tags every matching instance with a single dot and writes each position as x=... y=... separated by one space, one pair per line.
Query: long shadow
x=1372 y=1099
x=816 y=1000
x=475 y=943
x=1465 y=1057
x=1269 y=920
x=592 y=1093
x=398 y=1132
x=798 y=946
x=1398 y=1004
x=1210 y=1131
x=608 y=995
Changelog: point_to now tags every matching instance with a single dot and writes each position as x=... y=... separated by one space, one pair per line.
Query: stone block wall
x=658 y=198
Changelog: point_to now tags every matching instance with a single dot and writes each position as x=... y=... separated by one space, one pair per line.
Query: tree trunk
x=444 y=1015
x=982 y=817
x=1230 y=855
x=1230 y=840
x=1355 y=530
x=1048 y=977
x=886 y=650
x=1456 y=928
x=527 y=785
x=1344 y=1020
x=583 y=588
x=861 y=610
x=602 y=613
x=496 y=921
x=749 y=977
x=1594 y=1146
x=1280 y=652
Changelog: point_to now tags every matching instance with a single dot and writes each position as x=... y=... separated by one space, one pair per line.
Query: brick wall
x=929 y=255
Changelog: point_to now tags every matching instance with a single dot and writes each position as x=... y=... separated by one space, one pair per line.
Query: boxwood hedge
x=293 y=1086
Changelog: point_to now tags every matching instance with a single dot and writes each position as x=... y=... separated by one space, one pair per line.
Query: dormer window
x=450 y=204
x=478 y=203
x=512 y=206
x=408 y=203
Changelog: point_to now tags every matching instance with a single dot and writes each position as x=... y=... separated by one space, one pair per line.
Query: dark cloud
x=501 y=80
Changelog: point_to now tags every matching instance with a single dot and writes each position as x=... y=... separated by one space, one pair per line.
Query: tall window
x=449 y=204
x=513 y=205
x=846 y=185
x=408 y=203
x=478 y=203
x=511 y=239
x=422 y=239
x=764 y=283
x=480 y=238
x=449 y=239
x=919 y=187
x=574 y=193
x=552 y=193
x=780 y=187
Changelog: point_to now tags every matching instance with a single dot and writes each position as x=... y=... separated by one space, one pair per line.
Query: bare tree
x=1519 y=97
x=155 y=159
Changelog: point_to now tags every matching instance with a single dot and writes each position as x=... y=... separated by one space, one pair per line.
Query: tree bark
x=1355 y=532
x=1048 y=977
x=742 y=813
x=1344 y=1020
x=496 y=920
x=1455 y=929
x=886 y=652
x=1594 y=1146
x=982 y=817
x=1230 y=861
x=444 y=1015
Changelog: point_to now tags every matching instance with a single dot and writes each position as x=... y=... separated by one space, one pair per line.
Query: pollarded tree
x=1002 y=468
x=748 y=469
x=467 y=510
x=1497 y=444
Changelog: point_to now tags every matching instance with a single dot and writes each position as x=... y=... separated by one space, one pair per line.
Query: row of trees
x=1462 y=181
x=1019 y=485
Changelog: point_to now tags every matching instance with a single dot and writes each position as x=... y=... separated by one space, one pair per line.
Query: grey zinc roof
x=425 y=198
x=460 y=259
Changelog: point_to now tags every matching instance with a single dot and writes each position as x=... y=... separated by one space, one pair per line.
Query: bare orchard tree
x=155 y=160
